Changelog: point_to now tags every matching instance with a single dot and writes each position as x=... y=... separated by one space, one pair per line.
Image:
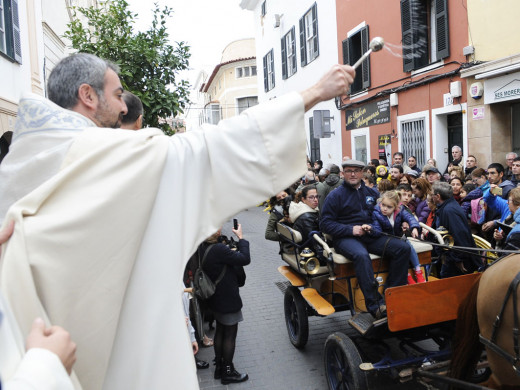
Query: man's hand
x=6 y=233
x=415 y=233
x=358 y=231
x=488 y=226
x=195 y=347
x=334 y=83
x=498 y=235
x=55 y=339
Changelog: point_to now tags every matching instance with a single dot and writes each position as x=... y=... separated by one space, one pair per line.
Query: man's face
x=111 y=106
x=516 y=167
x=456 y=154
x=398 y=159
x=494 y=177
x=411 y=162
x=471 y=162
x=396 y=175
x=509 y=159
x=353 y=175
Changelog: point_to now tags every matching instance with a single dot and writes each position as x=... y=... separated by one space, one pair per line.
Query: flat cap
x=433 y=169
x=353 y=163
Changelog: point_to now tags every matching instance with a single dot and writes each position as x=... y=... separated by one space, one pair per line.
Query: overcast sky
x=206 y=25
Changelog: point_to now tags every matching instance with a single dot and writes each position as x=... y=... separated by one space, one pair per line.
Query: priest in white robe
x=105 y=220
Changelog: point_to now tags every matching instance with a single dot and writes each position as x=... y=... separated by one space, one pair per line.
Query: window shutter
x=316 y=48
x=272 y=68
x=443 y=36
x=17 y=46
x=266 y=85
x=293 y=43
x=303 y=56
x=407 y=35
x=345 y=48
x=284 y=58
x=365 y=66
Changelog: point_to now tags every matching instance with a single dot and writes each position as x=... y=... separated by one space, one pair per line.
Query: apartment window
x=353 y=48
x=263 y=9
x=10 y=30
x=425 y=33
x=413 y=138
x=314 y=142
x=309 y=48
x=245 y=71
x=289 y=54
x=213 y=113
x=269 y=71
x=246 y=102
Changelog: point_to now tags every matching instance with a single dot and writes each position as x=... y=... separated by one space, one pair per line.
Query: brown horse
x=483 y=304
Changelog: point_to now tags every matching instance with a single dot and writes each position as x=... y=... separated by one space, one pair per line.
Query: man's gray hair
x=445 y=190
x=512 y=153
x=456 y=147
x=74 y=70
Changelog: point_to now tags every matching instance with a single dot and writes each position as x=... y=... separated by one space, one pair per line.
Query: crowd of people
x=367 y=207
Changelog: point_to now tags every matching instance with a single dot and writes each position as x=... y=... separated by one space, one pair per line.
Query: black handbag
x=203 y=286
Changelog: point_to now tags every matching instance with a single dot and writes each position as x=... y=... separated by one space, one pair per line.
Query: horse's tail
x=467 y=348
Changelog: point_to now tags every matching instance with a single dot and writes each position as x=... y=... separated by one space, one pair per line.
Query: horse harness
x=491 y=343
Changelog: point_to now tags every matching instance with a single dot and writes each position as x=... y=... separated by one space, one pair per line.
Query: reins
x=491 y=343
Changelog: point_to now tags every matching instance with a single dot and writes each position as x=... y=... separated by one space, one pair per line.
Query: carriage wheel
x=296 y=319
x=342 y=361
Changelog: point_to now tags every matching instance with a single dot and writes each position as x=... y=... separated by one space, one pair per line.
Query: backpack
x=478 y=211
x=203 y=286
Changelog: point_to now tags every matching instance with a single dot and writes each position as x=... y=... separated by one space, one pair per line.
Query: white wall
x=267 y=37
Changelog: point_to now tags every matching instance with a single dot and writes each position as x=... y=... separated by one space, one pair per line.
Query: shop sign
x=370 y=114
x=501 y=89
x=384 y=146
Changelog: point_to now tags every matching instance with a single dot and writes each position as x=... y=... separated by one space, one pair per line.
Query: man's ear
x=139 y=122
x=87 y=96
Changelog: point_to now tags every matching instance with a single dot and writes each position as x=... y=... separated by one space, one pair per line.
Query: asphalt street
x=263 y=349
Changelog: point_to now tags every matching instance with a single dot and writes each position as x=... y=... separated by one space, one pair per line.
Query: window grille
x=413 y=140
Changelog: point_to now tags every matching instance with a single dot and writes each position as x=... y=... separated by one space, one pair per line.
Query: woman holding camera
x=226 y=303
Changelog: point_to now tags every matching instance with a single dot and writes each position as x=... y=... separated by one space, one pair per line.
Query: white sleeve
x=40 y=369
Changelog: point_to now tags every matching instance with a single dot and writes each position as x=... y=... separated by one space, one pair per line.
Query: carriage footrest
x=362 y=322
x=318 y=303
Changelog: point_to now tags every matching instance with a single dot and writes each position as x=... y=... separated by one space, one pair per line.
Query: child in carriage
x=389 y=216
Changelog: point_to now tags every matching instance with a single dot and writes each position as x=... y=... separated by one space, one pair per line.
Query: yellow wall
x=493 y=28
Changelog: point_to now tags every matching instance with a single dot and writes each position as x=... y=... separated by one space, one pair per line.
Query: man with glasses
x=509 y=159
x=347 y=216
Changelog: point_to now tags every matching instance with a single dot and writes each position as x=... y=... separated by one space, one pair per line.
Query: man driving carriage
x=347 y=216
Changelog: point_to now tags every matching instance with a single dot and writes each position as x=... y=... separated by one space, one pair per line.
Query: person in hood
x=304 y=211
x=382 y=173
x=332 y=181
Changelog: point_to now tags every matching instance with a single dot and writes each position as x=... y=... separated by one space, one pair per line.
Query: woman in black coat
x=226 y=302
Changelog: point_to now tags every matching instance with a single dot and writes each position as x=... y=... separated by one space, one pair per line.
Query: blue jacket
x=498 y=204
x=382 y=224
x=346 y=207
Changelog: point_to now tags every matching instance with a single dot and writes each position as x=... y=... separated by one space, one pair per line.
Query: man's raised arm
x=334 y=83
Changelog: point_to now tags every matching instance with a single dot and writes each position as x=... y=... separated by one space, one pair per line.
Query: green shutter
x=303 y=56
x=407 y=35
x=316 y=47
x=266 y=85
x=443 y=36
x=284 y=58
x=365 y=66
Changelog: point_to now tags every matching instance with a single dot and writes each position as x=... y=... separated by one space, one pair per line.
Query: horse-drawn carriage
x=420 y=317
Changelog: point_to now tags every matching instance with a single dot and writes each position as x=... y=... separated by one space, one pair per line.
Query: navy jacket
x=226 y=298
x=346 y=207
x=451 y=216
x=382 y=224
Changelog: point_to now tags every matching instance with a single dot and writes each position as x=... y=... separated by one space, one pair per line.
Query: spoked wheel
x=296 y=319
x=342 y=361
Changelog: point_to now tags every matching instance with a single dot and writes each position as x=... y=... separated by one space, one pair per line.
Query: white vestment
x=106 y=219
